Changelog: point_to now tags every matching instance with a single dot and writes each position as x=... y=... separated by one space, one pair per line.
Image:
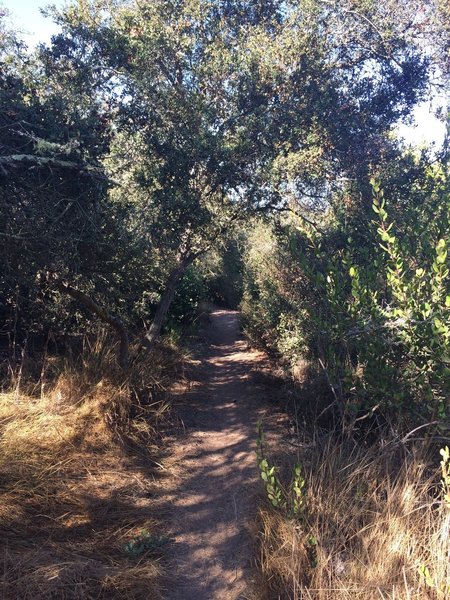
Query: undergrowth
x=79 y=466
x=375 y=524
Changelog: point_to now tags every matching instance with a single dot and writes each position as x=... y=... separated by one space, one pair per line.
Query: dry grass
x=374 y=519
x=74 y=491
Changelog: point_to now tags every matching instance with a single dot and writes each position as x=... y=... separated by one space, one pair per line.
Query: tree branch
x=115 y=322
x=14 y=160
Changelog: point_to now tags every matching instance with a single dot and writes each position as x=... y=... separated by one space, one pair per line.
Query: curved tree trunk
x=166 y=299
x=115 y=322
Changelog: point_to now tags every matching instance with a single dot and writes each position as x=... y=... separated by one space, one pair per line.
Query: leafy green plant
x=274 y=491
x=293 y=502
x=144 y=542
x=298 y=491
x=417 y=313
x=367 y=299
x=445 y=481
x=442 y=588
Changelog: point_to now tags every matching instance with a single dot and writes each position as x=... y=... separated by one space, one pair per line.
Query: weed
x=370 y=520
x=145 y=542
x=445 y=469
x=293 y=503
x=70 y=479
x=442 y=588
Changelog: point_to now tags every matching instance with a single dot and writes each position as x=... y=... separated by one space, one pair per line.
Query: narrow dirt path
x=212 y=500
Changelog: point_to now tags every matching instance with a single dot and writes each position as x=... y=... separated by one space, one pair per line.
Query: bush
x=375 y=316
x=190 y=292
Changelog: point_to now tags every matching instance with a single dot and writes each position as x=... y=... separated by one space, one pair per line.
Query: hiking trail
x=212 y=497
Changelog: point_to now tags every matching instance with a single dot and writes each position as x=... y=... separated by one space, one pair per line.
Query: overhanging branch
x=97 y=310
x=15 y=160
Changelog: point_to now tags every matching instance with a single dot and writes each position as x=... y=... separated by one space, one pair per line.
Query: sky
x=26 y=16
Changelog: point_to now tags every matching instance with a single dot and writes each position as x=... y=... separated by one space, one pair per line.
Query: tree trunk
x=166 y=299
x=104 y=315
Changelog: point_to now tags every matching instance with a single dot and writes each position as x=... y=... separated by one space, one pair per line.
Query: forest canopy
x=149 y=134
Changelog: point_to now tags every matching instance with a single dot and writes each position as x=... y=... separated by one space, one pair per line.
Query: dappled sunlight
x=73 y=494
x=213 y=507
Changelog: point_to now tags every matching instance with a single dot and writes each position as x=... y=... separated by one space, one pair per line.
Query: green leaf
x=441 y=245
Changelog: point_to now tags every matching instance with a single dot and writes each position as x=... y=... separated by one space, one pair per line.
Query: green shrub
x=368 y=300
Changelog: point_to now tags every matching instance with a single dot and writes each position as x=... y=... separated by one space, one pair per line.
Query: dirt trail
x=213 y=497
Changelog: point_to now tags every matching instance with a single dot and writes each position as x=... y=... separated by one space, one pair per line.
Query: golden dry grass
x=73 y=492
x=374 y=519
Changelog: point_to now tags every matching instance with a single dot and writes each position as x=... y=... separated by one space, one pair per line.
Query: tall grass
x=74 y=491
x=375 y=527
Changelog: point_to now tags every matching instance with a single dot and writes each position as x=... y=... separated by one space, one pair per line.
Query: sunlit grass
x=375 y=523
x=73 y=493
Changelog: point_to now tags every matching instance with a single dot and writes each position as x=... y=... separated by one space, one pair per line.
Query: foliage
x=370 y=302
x=273 y=488
x=418 y=313
x=222 y=271
x=144 y=542
x=190 y=293
x=147 y=130
x=57 y=223
x=445 y=469
x=442 y=587
x=150 y=133
x=292 y=501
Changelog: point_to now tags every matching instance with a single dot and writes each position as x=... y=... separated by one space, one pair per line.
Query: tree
x=55 y=222
x=218 y=109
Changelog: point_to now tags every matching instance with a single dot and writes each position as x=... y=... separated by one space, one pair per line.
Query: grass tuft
x=376 y=528
x=74 y=490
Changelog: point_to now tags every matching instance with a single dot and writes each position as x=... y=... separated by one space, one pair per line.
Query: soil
x=213 y=493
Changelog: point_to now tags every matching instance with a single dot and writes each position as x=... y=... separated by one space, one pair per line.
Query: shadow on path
x=212 y=498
